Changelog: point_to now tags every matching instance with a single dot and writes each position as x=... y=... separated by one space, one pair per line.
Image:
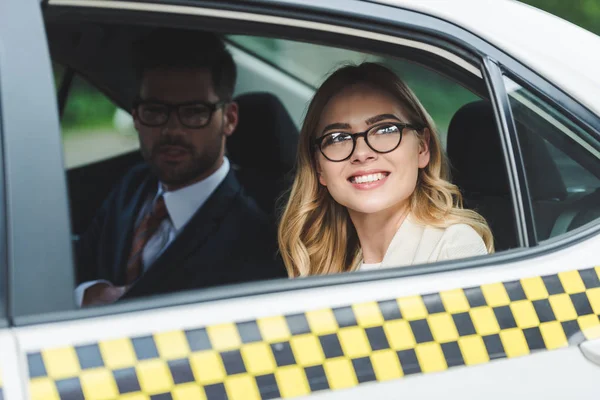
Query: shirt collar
x=183 y=203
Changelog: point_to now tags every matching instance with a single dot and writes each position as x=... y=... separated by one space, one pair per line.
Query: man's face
x=180 y=154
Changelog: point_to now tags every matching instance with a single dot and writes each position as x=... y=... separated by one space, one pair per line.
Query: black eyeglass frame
x=212 y=107
x=401 y=126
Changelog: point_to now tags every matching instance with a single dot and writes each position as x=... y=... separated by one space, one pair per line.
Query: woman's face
x=370 y=182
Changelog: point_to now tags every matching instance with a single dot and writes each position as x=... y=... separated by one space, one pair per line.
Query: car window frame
x=3 y=235
x=405 y=23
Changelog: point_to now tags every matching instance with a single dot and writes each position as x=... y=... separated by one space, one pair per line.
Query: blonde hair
x=316 y=235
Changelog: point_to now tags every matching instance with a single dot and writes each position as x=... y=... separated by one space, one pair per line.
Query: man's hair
x=175 y=48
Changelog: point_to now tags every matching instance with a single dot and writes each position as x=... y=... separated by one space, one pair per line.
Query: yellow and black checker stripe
x=328 y=349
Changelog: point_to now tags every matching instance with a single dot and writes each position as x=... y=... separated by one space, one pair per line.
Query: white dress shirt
x=181 y=205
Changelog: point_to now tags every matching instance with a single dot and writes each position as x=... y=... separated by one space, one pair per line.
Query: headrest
x=266 y=137
x=475 y=151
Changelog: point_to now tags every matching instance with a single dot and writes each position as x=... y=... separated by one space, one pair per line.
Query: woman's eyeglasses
x=381 y=138
x=196 y=114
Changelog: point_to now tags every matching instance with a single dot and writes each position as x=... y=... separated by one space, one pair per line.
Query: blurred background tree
x=585 y=13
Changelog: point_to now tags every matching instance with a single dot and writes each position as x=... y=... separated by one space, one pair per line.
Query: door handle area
x=591 y=350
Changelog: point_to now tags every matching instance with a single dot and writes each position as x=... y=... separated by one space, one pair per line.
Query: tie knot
x=159 y=211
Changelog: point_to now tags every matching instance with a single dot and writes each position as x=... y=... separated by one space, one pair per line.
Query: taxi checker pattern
x=329 y=349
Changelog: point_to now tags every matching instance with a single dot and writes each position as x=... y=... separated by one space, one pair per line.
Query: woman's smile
x=366 y=180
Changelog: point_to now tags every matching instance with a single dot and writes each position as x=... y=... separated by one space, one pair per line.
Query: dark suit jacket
x=228 y=240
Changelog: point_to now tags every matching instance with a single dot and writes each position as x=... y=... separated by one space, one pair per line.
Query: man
x=180 y=221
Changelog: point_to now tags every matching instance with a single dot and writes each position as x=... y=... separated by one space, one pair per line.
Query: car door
x=507 y=324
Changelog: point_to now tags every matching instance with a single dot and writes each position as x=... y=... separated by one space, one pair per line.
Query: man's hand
x=102 y=294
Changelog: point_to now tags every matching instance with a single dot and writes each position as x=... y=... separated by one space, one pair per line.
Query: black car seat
x=262 y=150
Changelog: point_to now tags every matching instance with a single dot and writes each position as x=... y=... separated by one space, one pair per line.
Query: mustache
x=171 y=141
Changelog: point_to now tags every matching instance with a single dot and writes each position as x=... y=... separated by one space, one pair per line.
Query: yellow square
x=242 y=387
x=154 y=376
x=368 y=314
x=484 y=320
x=587 y=324
x=340 y=373
x=258 y=358
x=594 y=297
x=443 y=328
x=307 y=350
x=563 y=307
x=399 y=335
x=514 y=342
x=431 y=358
x=117 y=353
x=386 y=365
x=224 y=337
x=473 y=350
x=207 y=367
x=412 y=308
x=292 y=381
x=495 y=294
x=455 y=301
x=554 y=335
x=43 y=389
x=274 y=329
x=534 y=288
x=354 y=342
x=571 y=281
x=322 y=322
x=188 y=391
x=172 y=345
x=524 y=313
x=98 y=384
x=61 y=362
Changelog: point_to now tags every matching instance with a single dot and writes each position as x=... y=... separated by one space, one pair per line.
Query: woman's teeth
x=367 y=178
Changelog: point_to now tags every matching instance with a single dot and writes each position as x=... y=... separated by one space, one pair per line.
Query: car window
x=561 y=164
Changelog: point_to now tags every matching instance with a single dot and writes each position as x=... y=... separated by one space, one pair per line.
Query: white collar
x=183 y=203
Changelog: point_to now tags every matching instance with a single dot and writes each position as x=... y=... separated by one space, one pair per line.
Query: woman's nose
x=362 y=152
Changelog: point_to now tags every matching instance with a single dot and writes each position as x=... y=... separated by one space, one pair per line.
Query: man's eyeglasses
x=195 y=114
x=381 y=138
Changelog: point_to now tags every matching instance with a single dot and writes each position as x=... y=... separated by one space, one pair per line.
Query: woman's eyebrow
x=337 y=125
x=380 y=117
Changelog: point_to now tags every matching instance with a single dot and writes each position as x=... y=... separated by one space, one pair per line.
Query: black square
x=420 y=329
x=344 y=316
x=233 y=362
x=127 y=380
x=215 y=392
x=589 y=278
x=433 y=303
x=582 y=304
x=515 y=290
x=36 y=365
x=363 y=368
x=534 y=338
x=544 y=310
x=409 y=361
x=571 y=329
x=298 y=324
x=162 y=396
x=283 y=354
x=377 y=338
x=390 y=310
x=70 y=389
x=553 y=284
x=317 y=380
x=452 y=354
x=267 y=386
x=181 y=371
x=89 y=356
x=198 y=339
x=505 y=317
x=464 y=324
x=145 y=347
x=494 y=346
x=249 y=331
x=331 y=346
x=475 y=297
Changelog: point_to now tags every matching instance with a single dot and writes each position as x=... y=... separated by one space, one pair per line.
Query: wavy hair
x=316 y=235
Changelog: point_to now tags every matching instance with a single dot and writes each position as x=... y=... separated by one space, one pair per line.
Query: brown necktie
x=146 y=229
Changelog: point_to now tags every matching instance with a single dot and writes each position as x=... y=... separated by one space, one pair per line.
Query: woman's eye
x=384 y=130
x=336 y=138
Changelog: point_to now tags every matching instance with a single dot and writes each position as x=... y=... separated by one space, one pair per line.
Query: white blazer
x=415 y=243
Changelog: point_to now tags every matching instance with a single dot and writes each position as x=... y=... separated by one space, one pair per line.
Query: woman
x=372 y=188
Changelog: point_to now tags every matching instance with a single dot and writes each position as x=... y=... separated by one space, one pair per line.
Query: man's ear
x=231 y=117
x=424 y=153
x=136 y=120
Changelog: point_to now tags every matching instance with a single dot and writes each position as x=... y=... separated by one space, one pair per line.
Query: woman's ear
x=424 y=153
x=322 y=180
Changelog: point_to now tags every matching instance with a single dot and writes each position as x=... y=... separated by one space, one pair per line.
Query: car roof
x=558 y=50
